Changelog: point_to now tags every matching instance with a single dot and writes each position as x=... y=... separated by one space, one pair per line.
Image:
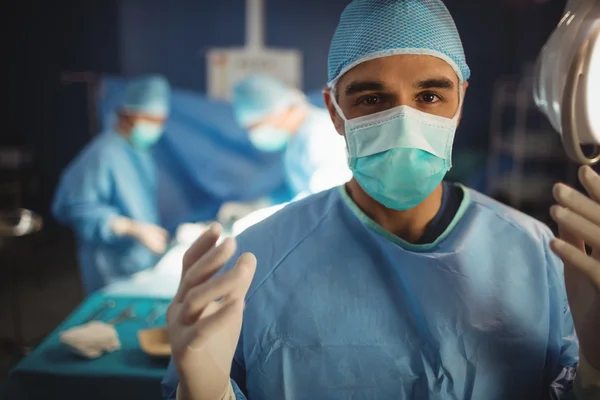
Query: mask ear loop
x=338 y=109
x=336 y=105
x=461 y=98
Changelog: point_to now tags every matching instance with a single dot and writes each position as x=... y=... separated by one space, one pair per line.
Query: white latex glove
x=204 y=332
x=152 y=236
x=578 y=219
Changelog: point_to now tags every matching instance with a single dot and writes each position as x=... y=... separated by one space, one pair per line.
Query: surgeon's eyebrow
x=434 y=83
x=364 y=86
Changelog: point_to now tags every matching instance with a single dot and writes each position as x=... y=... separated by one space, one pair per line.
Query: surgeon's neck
x=408 y=225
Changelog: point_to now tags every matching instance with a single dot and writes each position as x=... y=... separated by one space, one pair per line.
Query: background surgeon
x=278 y=118
x=107 y=195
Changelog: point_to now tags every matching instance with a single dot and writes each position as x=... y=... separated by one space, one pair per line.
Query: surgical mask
x=399 y=156
x=145 y=134
x=268 y=138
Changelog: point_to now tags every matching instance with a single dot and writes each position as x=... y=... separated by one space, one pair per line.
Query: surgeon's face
x=425 y=83
x=271 y=133
x=142 y=131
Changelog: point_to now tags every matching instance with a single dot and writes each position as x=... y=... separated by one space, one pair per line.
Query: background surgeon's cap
x=149 y=95
x=370 y=29
x=258 y=96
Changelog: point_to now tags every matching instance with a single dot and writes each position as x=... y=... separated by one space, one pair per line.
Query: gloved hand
x=203 y=331
x=152 y=236
x=578 y=218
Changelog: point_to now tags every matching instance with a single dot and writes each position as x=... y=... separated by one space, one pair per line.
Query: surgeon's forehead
x=140 y=116
x=402 y=69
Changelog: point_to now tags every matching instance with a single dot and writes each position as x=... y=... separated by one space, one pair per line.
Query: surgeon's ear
x=464 y=94
x=333 y=114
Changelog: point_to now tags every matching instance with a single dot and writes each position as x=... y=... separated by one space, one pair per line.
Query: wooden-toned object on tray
x=155 y=342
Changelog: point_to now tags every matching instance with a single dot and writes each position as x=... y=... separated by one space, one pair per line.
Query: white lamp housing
x=567 y=84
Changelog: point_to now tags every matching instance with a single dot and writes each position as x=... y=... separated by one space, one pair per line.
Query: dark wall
x=51 y=118
x=173 y=37
x=499 y=38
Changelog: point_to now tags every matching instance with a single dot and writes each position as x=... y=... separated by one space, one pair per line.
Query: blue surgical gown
x=316 y=158
x=109 y=178
x=342 y=309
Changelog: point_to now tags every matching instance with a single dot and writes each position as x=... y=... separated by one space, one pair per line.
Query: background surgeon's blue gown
x=108 y=179
x=341 y=309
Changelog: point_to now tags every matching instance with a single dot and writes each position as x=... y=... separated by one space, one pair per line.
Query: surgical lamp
x=567 y=82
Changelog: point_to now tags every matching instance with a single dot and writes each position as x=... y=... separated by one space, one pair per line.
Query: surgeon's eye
x=369 y=100
x=429 y=98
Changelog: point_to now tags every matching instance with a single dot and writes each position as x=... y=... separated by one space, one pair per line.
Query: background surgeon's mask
x=145 y=134
x=399 y=156
x=268 y=138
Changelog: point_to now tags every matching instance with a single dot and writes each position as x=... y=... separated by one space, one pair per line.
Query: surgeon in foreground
x=108 y=194
x=396 y=285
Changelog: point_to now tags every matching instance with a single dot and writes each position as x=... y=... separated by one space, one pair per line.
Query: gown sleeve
x=83 y=199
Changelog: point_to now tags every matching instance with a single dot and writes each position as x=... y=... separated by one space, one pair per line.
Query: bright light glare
x=254 y=218
x=593 y=89
x=326 y=178
x=188 y=233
